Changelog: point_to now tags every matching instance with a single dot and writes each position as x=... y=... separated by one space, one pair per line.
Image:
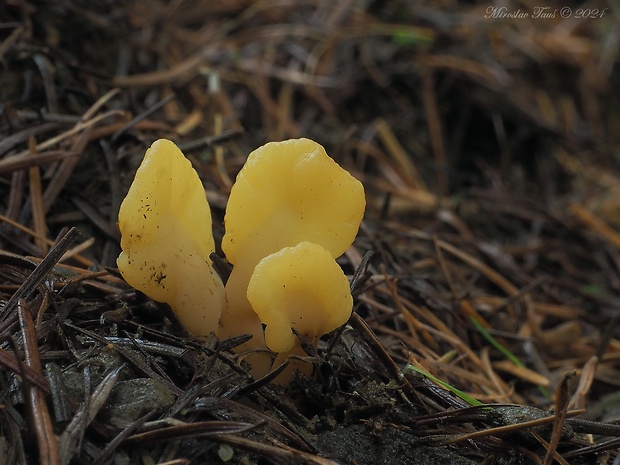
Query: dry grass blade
x=8 y=361
x=486 y=270
x=522 y=373
x=405 y=165
x=111 y=447
x=277 y=455
x=258 y=417
x=596 y=224
x=39 y=414
x=143 y=116
x=206 y=428
x=36 y=199
x=65 y=169
x=40 y=272
x=435 y=130
x=578 y=400
x=360 y=325
x=97 y=218
x=181 y=70
x=28 y=160
x=553 y=454
x=11 y=39
x=509 y=429
x=562 y=399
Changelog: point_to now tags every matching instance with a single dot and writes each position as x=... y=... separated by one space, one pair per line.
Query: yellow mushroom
x=299 y=288
x=286 y=193
x=166 y=238
x=291 y=212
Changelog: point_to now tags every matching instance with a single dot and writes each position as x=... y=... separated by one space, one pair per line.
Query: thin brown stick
x=9 y=361
x=436 y=132
x=40 y=272
x=27 y=160
x=39 y=413
x=562 y=399
x=508 y=428
x=36 y=202
x=596 y=224
x=561 y=460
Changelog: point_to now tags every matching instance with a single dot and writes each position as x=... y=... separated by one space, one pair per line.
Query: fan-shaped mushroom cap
x=289 y=192
x=166 y=238
x=300 y=288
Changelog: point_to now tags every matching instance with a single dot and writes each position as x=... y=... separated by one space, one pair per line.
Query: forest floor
x=486 y=272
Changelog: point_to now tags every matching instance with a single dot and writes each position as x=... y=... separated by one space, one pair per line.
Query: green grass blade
x=457 y=392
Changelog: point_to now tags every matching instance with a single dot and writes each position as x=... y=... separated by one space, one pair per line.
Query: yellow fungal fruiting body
x=300 y=288
x=292 y=211
x=166 y=238
x=286 y=193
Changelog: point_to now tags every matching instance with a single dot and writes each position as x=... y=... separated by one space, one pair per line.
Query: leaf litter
x=485 y=273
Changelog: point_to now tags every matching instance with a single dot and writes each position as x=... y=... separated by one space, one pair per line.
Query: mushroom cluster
x=292 y=211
